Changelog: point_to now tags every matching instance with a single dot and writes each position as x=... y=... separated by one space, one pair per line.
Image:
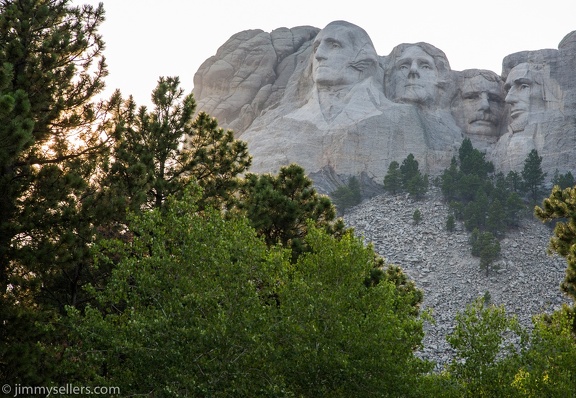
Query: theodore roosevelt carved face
x=479 y=103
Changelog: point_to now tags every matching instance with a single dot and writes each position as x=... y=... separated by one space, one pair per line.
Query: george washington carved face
x=343 y=55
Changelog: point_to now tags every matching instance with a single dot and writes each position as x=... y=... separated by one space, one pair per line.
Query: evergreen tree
x=417 y=216
x=346 y=196
x=472 y=161
x=496 y=218
x=409 y=169
x=487 y=247
x=413 y=181
x=393 y=178
x=561 y=205
x=450 y=181
x=281 y=207
x=563 y=180
x=514 y=181
x=151 y=163
x=51 y=67
x=450 y=223
x=532 y=176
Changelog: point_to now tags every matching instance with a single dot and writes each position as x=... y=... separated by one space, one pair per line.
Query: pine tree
x=561 y=205
x=346 y=196
x=280 y=207
x=52 y=66
x=563 y=180
x=532 y=176
x=450 y=223
x=486 y=246
x=413 y=181
x=158 y=153
x=417 y=216
x=393 y=178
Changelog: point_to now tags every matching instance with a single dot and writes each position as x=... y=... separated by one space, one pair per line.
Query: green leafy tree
x=393 y=178
x=187 y=311
x=199 y=306
x=481 y=367
x=346 y=196
x=547 y=366
x=279 y=207
x=532 y=176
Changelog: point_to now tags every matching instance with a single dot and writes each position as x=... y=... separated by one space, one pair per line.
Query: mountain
x=325 y=99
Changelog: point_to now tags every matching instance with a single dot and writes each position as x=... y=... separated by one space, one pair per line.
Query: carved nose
x=484 y=103
x=414 y=69
x=511 y=96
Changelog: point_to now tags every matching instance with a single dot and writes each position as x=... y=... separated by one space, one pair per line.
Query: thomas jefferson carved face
x=481 y=105
x=415 y=77
x=342 y=52
x=524 y=96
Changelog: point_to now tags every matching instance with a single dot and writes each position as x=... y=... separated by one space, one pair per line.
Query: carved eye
x=425 y=66
x=404 y=66
x=471 y=96
x=495 y=98
x=336 y=45
x=524 y=86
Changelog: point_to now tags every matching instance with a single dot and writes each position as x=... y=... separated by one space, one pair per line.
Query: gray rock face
x=326 y=100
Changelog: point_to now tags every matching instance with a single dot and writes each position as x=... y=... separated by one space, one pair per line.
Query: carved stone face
x=333 y=53
x=481 y=106
x=524 y=97
x=415 y=77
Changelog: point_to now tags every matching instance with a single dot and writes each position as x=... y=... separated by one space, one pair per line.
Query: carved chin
x=519 y=123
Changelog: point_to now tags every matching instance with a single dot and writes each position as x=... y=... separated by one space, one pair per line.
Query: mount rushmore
x=325 y=99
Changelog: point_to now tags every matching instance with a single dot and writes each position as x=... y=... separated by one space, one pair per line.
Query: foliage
x=561 y=205
x=346 y=196
x=417 y=216
x=393 y=178
x=565 y=180
x=532 y=176
x=280 y=206
x=450 y=223
x=199 y=306
x=51 y=66
x=413 y=181
x=484 y=350
x=149 y=160
x=547 y=367
x=486 y=246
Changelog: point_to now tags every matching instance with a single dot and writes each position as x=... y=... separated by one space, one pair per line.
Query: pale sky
x=146 y=39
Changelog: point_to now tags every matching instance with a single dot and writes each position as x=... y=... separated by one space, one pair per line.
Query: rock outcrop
x=325 y=99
